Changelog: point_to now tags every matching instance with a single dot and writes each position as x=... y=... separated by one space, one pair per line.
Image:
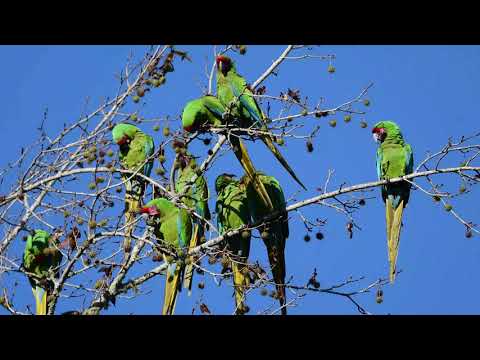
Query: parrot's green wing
x=149 y=150
x=141 y=147
x=215 y=107
x=184 y=228
x=409 y=159
x=241 y=91
x=207 y=109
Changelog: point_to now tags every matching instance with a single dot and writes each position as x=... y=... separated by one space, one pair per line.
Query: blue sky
x=430 y=91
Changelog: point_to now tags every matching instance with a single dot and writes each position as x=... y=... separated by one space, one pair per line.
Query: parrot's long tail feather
x=394 y=224
x=271 y=146
x=172 y=285
x=188 y=279
x=240 y=282
x=276 y=257
x=242 y=155
x=40 y=300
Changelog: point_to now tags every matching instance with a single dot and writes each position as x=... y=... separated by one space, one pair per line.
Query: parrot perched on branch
x=38 y=258
x=136 y=148
x=394 y=159
x=274 y=233
x=235 y=95
x=208 y=109
x=232 y=212
x=196 y=198
x=173 y=227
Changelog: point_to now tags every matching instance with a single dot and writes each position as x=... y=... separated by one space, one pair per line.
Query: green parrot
x=232 y=212
x=172 y=226
x=208 y=109
x=394 y=159
x=135 y=148
x=38 y=258
x=274 y=234
x=195 y=198
x=234 y=93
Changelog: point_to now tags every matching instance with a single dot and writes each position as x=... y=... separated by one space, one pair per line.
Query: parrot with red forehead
x=136 y=150
x=235 y=95
x=172 y=226
x=394 y=159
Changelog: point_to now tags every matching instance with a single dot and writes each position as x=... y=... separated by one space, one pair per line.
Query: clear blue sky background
x=430 y=91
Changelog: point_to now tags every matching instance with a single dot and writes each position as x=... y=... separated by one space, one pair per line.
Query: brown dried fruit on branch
x=294 y=95
x=379 y=296
x=309 y=146
x=246 y=234
x=468 y=233
x=140 y=91
x=350 y=229
x=183 y=55
x=261 y=90
x=204 y=309
x=99 y=284
x=242 y=49
x=72 y=238
x=107 y=270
